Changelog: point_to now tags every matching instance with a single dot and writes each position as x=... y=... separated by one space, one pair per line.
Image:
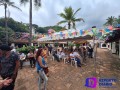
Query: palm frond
x=15 y=7
x=76 y=11
x=64 y=21
x=110 y=20
x=69 y=12
x=24 y=1
x=63 y=15
x=78 y=20
x=10 y=3
x=3 y=1
x=37 y=4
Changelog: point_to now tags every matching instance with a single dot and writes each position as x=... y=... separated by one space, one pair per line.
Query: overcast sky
x=94 y=12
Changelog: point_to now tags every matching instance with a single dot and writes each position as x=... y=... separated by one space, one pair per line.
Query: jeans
x=90 y=54
x=32 y=62
x=56 y=57
x=43 y=77
x=78 y=61
x=21 y=63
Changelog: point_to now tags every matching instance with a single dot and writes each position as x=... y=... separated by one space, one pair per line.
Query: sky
x=94 y=12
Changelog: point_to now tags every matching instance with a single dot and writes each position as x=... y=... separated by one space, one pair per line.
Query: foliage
x=118 y=20
x=77 y=45
x=37 y=3
x=112 y=21
x=70 y=44
x=45 y=29
x=69 y=17
x=56 y=44
x=26 y=49
x=3 y=34
x=14 y=25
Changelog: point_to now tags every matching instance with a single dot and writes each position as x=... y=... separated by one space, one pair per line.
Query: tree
x=69 y=17
x=118 y=20
x=110 y=20
x=7 y=3
x=14 y=25
x=37 y=3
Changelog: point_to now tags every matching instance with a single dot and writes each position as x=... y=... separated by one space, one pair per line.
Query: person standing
x=41 y=65
x=90 y=50
x=117 y=48
x=50 y=49
x=9 y=65
x=22 y=58
x=45 y=53
x=31 y=58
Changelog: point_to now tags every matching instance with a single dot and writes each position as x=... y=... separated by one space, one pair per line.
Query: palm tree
x=118 y=20
x=37 y=3
x=110 y=20
x=7 y=3
x=69 y=17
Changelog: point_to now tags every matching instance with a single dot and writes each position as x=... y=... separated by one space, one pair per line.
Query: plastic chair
x=73 y=61
x=53 y=58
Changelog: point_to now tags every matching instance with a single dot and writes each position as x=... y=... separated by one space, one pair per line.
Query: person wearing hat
x=9 y=64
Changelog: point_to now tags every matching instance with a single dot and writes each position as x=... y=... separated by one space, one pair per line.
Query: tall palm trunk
x=30 y=22
x=69 y=25
x=6 y=24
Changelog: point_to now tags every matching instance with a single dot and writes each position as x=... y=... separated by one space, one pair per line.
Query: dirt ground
x=67 y=77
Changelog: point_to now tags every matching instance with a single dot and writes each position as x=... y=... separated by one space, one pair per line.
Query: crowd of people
x=78 y=54
x=10 y=61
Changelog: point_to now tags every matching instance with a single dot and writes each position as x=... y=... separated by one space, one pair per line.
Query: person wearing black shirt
x=9 y=65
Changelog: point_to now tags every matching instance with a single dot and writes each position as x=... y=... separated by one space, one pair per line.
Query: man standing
x=9 y=64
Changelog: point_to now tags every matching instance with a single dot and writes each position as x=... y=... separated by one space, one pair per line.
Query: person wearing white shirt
x=22 y=58
x=72 y=56
x=77 y=58
x=61 y=55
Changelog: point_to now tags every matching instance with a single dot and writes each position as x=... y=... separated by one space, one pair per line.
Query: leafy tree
x=3 y=34
x=69 y=17
x=7 y=3
x=45 y=29
x=14 y=25
x=41 y=30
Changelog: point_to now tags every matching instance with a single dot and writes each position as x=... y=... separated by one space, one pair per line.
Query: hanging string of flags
x=71 y=33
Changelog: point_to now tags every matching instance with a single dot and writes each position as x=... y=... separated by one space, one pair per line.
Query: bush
x=26 y=50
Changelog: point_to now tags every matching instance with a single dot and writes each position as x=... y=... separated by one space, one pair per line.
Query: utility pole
x=30 y=24
x=6 y=24
x=94 y=49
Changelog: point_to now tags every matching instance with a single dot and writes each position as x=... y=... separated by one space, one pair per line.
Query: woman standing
x=41 y=65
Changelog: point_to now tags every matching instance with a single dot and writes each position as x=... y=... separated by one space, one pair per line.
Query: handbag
x=46 y=70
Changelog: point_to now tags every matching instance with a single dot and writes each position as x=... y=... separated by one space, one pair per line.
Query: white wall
x=103 y=47
x=110 y=47
x=113 y=47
